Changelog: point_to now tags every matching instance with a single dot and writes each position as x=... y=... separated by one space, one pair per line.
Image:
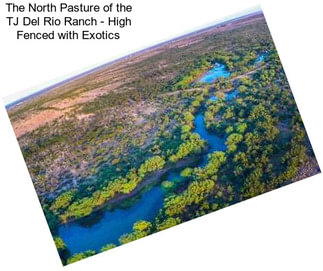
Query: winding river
x=113 y=223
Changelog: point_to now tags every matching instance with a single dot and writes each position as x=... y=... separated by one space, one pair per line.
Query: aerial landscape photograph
x=162 y=136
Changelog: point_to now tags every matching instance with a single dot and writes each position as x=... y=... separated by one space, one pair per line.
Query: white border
x=281 y=230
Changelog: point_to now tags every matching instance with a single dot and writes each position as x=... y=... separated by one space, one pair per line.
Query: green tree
x=59 y=243
x=107 y=247
x=80 y=256
x=140 y=229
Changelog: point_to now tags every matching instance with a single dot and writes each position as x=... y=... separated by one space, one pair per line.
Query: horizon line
x=21 y=96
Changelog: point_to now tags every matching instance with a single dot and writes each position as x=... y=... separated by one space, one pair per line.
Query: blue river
x=219 y=70
x=113 y=223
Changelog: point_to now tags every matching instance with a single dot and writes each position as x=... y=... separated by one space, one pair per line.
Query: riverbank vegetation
x=266 y=148
x=119 y=131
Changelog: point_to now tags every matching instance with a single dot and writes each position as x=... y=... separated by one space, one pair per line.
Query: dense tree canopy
x=109 y=151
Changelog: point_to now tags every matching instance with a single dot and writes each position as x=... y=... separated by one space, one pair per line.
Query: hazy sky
x=24 y=93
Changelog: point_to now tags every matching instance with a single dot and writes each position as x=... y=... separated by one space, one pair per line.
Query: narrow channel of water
x=219 y=70
x=261 y=58
x=113 y=223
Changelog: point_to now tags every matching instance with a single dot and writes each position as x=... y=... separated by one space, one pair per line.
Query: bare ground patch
x=34 y=120
x=56 y=109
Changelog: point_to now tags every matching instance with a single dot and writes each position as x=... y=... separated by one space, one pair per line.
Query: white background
x=281 y=230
